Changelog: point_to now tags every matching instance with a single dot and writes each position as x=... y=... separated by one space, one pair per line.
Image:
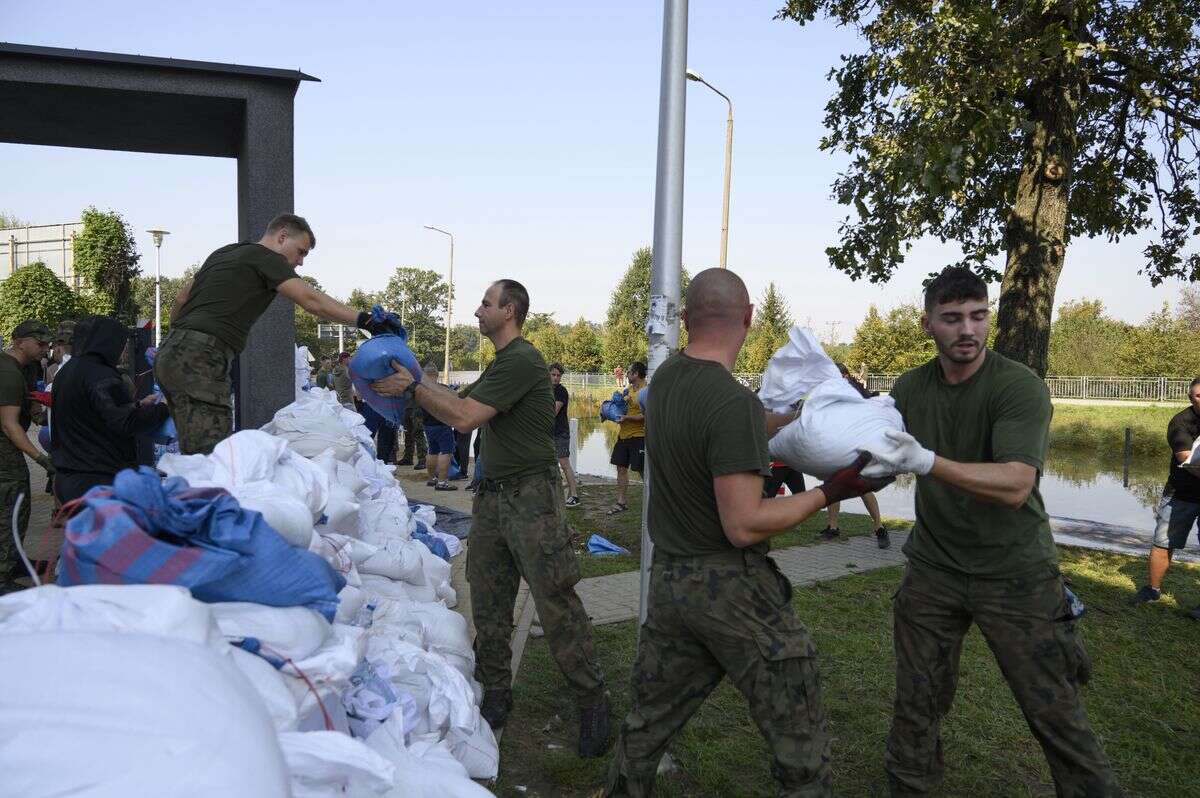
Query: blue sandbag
x=141 y=530
x=613 y=409
x=435 y=545
x=373 y=361
x=165 y=433
x=44 y=438
x=603 y=547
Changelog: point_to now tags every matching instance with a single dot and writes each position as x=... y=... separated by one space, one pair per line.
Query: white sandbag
x=341 y=511
x=197 y=469
x=287 y=632
x=319 y=708
x=447 y=595
x=350 y=600
x=451 y=697
x=110 y=715
x=387 y=588
x=326 y=764
x=336 y=659
x=376 y=474
x=277 y=699
x=246 y=456
x=166 y=610
x=425 y=514
x=310 y=430
x=795 y=370
x=477 y=750
x=836 y=423
x=299 y=477
x=283 y=512
x=424 y=769
x=453 y=544
x=443 y=630
x=399 y=560
x=385 y=518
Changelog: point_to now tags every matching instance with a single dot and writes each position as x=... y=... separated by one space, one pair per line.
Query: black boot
x=594 y=729
x=495 y=707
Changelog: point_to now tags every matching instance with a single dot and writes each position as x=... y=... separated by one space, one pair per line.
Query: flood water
x=1076 y=485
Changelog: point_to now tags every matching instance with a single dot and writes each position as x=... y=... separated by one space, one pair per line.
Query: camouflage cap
x=32 y=329
x=66 y=331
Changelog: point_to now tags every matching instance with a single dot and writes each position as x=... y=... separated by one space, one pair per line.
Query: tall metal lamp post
x=449 y=297
x=693 y=75
x=158 y=237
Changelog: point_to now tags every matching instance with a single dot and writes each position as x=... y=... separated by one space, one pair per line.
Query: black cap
x=33 y=329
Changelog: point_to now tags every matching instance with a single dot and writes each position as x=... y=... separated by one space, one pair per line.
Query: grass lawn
x=1100 y=428
x=1143 y=700
x=625 y=528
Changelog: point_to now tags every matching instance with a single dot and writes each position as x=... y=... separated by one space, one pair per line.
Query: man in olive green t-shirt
x=213 y=315
x=717 y=605
x=519 y=526
x=981 y=551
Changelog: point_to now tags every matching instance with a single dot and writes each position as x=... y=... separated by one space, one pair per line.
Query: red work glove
x=850 y=483
x=41 y=397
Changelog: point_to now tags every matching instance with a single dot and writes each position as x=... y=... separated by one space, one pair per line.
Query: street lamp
x=158 y=237
x=692 y=75
x=449 y=296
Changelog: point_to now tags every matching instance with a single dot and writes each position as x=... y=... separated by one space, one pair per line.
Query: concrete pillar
x=263 y=375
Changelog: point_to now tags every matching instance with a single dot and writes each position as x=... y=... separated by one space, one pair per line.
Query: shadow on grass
x=1143 y=700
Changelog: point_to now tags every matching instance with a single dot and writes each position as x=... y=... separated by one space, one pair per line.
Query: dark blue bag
x=613 y=409
x=373 y=361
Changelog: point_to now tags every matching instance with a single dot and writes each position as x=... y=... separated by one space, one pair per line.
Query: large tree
x=106 y=258
x=768 y=332
x=631 y=297
x=583 y=351
x=1011 y=128
x=34 y=292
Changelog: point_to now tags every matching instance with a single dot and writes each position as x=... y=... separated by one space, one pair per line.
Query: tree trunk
x=1036 y=228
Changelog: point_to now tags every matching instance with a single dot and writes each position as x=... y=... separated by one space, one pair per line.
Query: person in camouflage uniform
x=213 y=315
x=30 y=341
x=717 y=605
x=519 y=527
x=981 y=552
x=414 y=437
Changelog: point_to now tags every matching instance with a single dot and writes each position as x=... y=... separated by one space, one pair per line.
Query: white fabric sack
x=385 y=518
x=277 y=699
x=451 y=697
x=283 y=512
x=197 y=469
x=836 y=423
x=376 y=474
x=310 y=430
x=299 y=477
x=111 y=714
x=325 y=764
x=350 y=601
x=386 y=588
x=476 y=750
x=288 y=632
x=425 y=514
x=397 y=559
x=341 y=511
x=424 y=769
x=246 y=456
x=795 y=370
x=453 y=544
x=166 y=610
x=336 y=659
x=310 y=714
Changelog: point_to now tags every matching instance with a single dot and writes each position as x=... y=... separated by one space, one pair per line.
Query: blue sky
x=526 y=128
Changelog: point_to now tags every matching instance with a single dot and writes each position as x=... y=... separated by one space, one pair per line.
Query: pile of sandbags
x=835 y=422
x=376 y=698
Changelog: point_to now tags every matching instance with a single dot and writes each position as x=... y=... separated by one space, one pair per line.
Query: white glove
x=904 y=454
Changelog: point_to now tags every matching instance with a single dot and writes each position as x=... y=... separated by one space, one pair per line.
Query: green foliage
x=464 y=347
x=419 y=296
x=106 y=260
x=33 y=292
x=583 y=351
x=142 y=294
x=10 y=220
x=306 y=329
x=623 y=344
x=893 y=343
x=548 y=336
x=1162 y=345
x=631 y=297
x=1083 y=339
x=768 y=332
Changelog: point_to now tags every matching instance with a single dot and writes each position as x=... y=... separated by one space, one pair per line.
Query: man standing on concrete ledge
x=519 y=527
x=718 y=605
x=212 y=317
x=981 y=551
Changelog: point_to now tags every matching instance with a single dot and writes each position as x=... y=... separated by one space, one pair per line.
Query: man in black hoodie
x=94 y=416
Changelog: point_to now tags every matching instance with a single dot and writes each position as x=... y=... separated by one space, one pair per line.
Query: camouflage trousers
x=1028 y=626
x=715 y=616
x=519 y=529
x=414 y=432
x=192 y=368
x=11 y=486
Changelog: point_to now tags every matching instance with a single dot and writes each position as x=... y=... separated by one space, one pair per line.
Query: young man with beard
x=981 y=551
x=519 y=527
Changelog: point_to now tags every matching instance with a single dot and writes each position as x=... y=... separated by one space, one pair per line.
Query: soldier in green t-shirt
x=29 y=343
x=718 y=606
x=981 y=551
x=212 y=317
x=519 y=525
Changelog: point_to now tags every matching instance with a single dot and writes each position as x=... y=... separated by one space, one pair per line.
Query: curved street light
x=449 y=298
x=696 y=76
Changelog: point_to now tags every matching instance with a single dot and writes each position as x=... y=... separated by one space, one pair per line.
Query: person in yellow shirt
x=630 y=451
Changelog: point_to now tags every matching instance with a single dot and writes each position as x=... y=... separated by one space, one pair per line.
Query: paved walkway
x=614 y=598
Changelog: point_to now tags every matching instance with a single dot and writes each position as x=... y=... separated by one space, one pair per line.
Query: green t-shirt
x=231 y=290
x=519 y=439
x=1000 y=415
x=700 y=424
x=14 y=392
